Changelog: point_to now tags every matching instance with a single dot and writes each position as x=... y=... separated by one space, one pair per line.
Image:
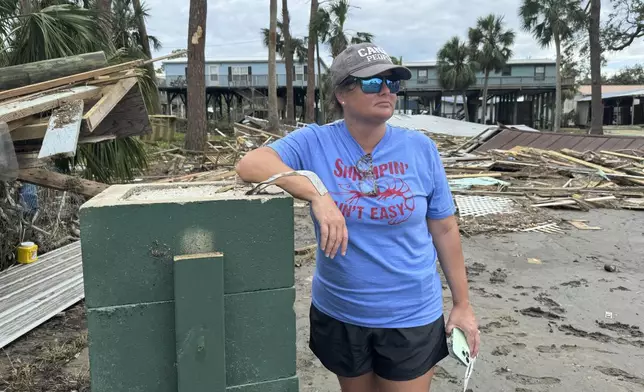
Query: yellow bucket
x=27 y=252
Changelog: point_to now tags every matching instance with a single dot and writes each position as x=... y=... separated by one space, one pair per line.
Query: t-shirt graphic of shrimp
x=380 y=182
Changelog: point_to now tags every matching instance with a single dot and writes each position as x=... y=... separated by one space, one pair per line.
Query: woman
x=377 y=306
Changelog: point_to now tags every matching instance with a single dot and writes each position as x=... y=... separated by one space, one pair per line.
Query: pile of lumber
x=49 y=107
x=564 y=178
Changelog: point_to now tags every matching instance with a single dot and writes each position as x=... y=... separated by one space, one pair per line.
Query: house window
x=300 y=72
x=239 y=75
x=422 y=76
x=507 y=71
x=539 y=72
x=214 y=74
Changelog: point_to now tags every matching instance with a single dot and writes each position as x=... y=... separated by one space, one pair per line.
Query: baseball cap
x=365 y=60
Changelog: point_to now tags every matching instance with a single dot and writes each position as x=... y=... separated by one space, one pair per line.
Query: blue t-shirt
x=389 y=277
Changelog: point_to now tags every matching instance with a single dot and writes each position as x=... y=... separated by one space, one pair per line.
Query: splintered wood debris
x=537 y=180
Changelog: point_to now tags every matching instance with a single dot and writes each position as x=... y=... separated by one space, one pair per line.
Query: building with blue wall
x=232 y=73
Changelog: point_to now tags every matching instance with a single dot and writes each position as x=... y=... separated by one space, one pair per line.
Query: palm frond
x=55 y=31
x=112 y=161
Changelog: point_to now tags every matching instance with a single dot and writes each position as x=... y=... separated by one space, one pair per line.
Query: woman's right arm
x=260 y=164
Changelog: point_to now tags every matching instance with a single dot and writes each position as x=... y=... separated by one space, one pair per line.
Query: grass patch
x=47 y=373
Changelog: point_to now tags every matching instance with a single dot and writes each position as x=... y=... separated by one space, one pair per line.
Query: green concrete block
x=199 y=325
x=130 y=234
x=131 y=348
x=260 y=336
x=290 y=384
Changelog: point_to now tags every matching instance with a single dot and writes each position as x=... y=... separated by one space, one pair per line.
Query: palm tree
x=309 y=115
x=45 y=33
x=196 y=135
x=333 y=18
x=456 y=72
x=104 y=8
x=490 y=44
x=297 y=51
x=597 y=117
x=552 y=21
x=273 y=120
x=288 y=62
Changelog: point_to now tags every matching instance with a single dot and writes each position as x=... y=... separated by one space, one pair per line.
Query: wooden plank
x=128 y=118
x=475 y=175
x=199 y=322
x=29 y=132
x=112 y=95
x=8 y=160
x=41 y=71
x=617 y=154
x=63 y=81
x=251 y=129
x=13 y=125
x=588 y=164
x=61 y=182
x=61 y=137
x=25 y=108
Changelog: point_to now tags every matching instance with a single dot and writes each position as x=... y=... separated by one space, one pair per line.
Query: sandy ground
x=544 y=323
x=544 y=326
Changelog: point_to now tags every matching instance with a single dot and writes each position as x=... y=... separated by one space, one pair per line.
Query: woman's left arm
x=447 y=241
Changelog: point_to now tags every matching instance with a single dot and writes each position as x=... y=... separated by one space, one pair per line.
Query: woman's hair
x=334 y=106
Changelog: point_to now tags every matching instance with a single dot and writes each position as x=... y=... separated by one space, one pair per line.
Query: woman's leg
x=364 y=383
x=343 y=349
x=405 y=358
x=420 y=384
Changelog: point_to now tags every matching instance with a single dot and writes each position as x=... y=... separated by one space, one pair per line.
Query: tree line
x=572 y=27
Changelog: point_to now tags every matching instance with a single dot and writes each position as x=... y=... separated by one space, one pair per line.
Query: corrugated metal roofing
x=607 y=88
x=436 y=124
x=616 y=94
x=509 y=138
x=33 y=293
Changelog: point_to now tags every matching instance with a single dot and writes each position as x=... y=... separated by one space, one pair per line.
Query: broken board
x=61 y=137
x=27 y=107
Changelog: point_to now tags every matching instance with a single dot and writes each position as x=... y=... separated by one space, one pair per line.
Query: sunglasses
x=367 y=184
x=373 y=85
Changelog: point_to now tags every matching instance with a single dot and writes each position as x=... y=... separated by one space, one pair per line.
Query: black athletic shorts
x=395 y=354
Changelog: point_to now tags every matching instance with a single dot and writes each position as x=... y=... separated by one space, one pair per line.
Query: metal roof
x=432 y=63
x=586 y=89
x=617 y=94
x=256 y=59
x=509 y=138
x=435 y=124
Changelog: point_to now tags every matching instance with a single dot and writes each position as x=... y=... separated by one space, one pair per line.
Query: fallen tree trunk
x=40 y=71
x=61 y=182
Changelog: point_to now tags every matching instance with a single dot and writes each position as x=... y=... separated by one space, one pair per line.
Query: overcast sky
x=414 y=29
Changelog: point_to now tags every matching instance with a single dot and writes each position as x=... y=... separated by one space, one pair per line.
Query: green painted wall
x=128 y=251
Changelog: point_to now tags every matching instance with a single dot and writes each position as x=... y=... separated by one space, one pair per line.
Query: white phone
x=460 y=349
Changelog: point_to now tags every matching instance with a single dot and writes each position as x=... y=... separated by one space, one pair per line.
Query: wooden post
x=199 y=322
x=40 y=71
x=515 y=114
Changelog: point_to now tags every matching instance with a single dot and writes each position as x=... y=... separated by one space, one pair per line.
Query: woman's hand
x=462 y=316
x=333 y=228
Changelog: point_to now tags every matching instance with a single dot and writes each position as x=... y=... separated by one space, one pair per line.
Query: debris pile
x=47 y=109
x=508 y=190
